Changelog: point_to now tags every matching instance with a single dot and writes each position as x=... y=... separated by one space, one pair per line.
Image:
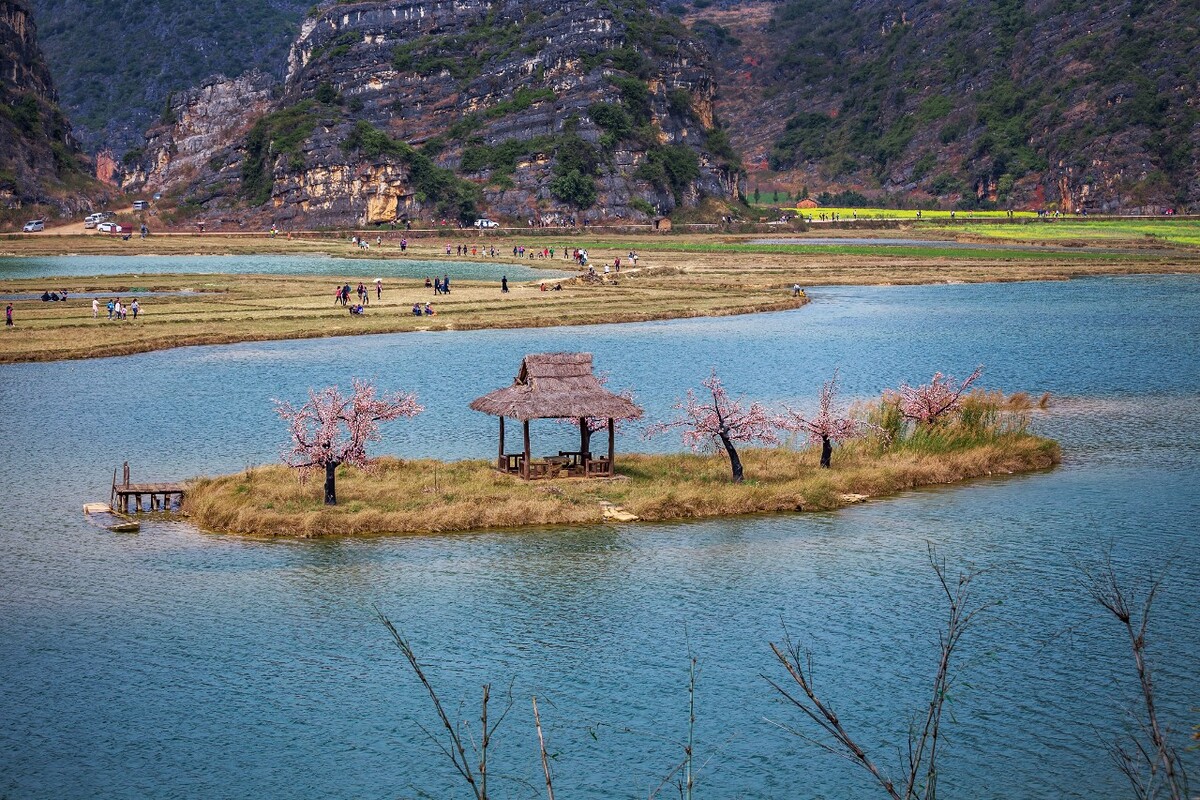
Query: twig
x=537 y=720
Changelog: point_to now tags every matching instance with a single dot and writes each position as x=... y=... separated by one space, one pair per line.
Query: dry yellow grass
x=429 y=496
x=678 y=276
x=241 y=308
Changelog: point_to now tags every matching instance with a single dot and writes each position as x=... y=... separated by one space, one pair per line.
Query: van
x=34 y=225
x=141 y=205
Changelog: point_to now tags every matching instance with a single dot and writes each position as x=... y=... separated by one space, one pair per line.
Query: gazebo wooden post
x=585 y=436
x=525 y=463
x=500 y=461
x=611 y=447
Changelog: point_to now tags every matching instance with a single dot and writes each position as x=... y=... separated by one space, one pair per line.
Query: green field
x=906 y=214
x=1174 y=232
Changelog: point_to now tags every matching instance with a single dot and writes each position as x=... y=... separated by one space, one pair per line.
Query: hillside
x=1000 y=103
x=390 y=110
x=41 y=168
x=117 y=61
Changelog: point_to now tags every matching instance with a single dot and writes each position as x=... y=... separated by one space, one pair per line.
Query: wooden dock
x=127 y=497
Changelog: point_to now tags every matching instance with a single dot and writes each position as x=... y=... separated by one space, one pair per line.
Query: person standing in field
x=95 y=308
x=504 y=284
x=8 y=323
x=135 y=308
x=379 y=288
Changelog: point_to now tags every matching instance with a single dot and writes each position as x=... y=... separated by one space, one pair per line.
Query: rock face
x=539 y=109
x=39 y=161
x=202 y=122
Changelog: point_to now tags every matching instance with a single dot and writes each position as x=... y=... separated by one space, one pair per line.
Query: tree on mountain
x=333 y=429
x=828 y=426
x=722 y=422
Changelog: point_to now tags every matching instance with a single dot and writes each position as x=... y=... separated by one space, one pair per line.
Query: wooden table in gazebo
x=557 y=386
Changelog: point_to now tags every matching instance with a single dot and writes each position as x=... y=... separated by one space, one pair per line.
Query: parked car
x=34 y=225
x=484 y=222
x=140 y=205
x=109 y=227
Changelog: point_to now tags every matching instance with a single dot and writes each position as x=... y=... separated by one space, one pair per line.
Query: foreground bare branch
x=1150 y=761
x=454 y=746
x=920 y=767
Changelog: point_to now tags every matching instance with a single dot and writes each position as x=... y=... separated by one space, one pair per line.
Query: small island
x=930 y=435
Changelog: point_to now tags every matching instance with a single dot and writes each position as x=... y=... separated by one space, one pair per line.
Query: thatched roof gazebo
x=557 y=386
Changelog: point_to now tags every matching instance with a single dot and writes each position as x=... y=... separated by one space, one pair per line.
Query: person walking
x=379 y=288
x=445 y=284
x=8 y=323
x=135 y=308
x=504 y=284
x=95 y=308
x=111 y=308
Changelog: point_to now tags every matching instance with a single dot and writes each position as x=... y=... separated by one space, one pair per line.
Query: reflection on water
x=178 y=663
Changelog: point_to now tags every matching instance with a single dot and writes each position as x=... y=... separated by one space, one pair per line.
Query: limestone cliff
x=409 y=108
x=39 y=161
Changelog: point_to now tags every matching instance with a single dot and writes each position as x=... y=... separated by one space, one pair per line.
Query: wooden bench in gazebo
x=557 y=386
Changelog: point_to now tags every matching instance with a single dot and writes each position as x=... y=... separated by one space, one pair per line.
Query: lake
x=174 y=663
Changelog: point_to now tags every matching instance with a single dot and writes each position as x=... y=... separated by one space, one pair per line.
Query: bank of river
x=174 y=662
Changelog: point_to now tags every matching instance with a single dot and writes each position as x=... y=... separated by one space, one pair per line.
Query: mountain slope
x=40 y=164
x=117 y=61
x=535 y=109
x=1005 y=102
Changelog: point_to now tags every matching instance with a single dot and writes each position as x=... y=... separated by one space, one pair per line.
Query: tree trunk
x=826 y=452
x=330 y=490
x=734 y=462
x=585 y=435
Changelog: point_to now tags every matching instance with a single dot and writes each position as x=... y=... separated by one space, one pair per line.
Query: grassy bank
x=222 y=309
x=677 y=276
x=428 y=496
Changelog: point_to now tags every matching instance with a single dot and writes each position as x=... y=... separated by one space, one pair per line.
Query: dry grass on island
x=422 y=496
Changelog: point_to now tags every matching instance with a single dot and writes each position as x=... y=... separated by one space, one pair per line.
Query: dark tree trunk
x=585 y=435
x=826 y=451
x=330 y=490
x=734 y=462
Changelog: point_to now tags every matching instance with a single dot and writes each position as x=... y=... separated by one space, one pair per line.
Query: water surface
x=180 y=664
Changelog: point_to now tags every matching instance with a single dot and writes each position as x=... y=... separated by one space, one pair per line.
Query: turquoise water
x=174 y=663
x=84 y=266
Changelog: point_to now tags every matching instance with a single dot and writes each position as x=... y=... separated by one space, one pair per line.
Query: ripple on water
x=198 y=662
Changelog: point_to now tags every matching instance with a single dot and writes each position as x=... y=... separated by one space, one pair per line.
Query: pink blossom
x=829 y=423
x=332 y=429
x=929 y=401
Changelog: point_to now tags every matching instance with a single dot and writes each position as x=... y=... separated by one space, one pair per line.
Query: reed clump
x=988 y=436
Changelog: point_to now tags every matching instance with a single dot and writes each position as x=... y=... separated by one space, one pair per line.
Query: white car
x=108 y=227
x=34 y=225
x=484 y=222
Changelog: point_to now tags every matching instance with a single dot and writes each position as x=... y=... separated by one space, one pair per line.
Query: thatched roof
x=556 y=385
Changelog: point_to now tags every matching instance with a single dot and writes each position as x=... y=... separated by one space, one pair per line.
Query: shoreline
x=426 y=496
x=677 y=277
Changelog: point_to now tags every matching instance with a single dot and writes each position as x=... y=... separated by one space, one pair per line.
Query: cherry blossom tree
x=930 y=401
x=709 y=425
x=596 y=424
x=333 y=429
x=829 y=426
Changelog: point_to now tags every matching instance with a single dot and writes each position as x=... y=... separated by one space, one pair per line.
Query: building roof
x=556 y=385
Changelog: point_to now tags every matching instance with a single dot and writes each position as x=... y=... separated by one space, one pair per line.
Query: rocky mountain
x=40 y=164
x=117 y=62
x=523 y=108
x=996 y=103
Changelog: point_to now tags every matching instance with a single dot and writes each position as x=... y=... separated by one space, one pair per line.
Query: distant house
x=808 y=202
x=662 y=224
